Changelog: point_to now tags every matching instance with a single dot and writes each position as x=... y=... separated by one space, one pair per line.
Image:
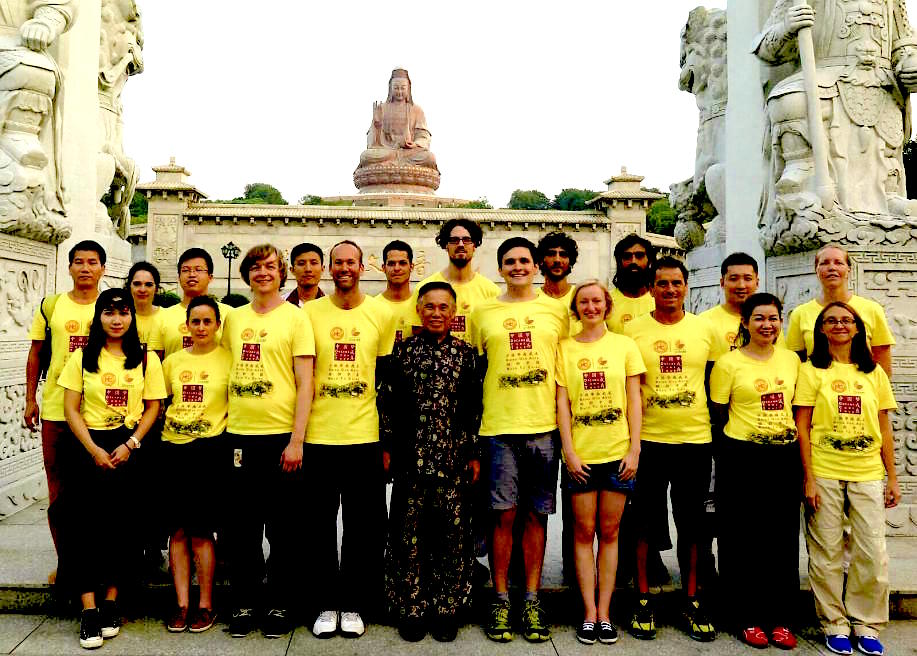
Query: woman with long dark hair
x=143 y=284
x=758 y=476
x=111 y=400
x=847 y=449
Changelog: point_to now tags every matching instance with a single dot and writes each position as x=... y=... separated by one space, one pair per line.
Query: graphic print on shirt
x=849 y=420
x=343 y=378
x=248 y=377
x=770 y=421
x=672 y=382
x=187 y=415
x=523 y=366
x=75 y=341
x=116 y=395
x=594 y=407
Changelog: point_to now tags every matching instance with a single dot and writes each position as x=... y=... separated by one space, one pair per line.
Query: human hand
x=575 y=467
x=31 y=414
x=377 y=114
x=291 y=458
x=35 y=34
x=628 y=467
x=475 y=467
x=892 y=494
x=120 y=455
x=813 y=500
x=101 y=457
x=799 y=17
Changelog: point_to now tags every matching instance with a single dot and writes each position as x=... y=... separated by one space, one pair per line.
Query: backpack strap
x=50 y=302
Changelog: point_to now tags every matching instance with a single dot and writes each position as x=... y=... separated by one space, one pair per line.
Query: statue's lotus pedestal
x=396 y=177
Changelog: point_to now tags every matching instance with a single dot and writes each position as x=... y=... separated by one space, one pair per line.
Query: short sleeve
x=37 y=331
x=633 y=360
x=303 y=337
x=154 y=386
x=386 y=331
x=560 y=370
x=794 y=338
x=721 y=382
x=881 y=334
x=806 y=386
x=167 y=366
x=713 y=351
x=475 y=338
x=884 y=393
x=71 y=377
x=225 y=339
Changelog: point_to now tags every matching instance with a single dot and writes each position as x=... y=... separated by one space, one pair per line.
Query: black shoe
x=91 y=629
x=276 y=623
x=586 y=633
x=608 y=634
x=110 y=618
x=242 y=622
x=643 y=623
x=412 y=630
x=445 y=629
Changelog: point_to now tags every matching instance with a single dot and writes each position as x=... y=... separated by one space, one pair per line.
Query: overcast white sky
x=533 y=94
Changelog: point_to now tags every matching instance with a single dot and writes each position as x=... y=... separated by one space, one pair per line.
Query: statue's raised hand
x=799 y=17
x=906 y=70
x=36 y=34
x=377 y=114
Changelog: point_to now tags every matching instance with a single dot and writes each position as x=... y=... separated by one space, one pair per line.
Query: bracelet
x=134 y=441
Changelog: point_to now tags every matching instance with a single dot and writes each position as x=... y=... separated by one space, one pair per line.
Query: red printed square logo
x=192 y=393
x=251 y=352
x=593 y=380
x=458 y=324
x=849 y=405
x=345 y=352
x=186 y=341
x=670 y=364
x=78 y=342
x=520 y=341
x=116 y=398
x=772 y=401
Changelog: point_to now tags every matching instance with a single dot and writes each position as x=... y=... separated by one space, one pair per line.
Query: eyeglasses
x=187 y=270
x=455 y=241
x=846 y=321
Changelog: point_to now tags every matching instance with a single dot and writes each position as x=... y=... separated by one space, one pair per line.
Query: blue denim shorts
x=523 y=471
x=603 y=477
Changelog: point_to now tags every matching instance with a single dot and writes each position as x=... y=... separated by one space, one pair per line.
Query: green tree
x=310 y=199
x=258 y=193
x=479 y=204
x=572 y=199
x=661 y=218
x=528 y=200
x=139 y=208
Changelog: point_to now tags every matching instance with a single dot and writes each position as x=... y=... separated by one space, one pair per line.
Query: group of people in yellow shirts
x=468 y=398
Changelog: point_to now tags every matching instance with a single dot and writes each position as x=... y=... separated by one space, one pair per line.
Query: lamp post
x=230 y=252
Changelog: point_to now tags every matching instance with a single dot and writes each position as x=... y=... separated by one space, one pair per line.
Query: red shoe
x=782 y=637
x=755 y=637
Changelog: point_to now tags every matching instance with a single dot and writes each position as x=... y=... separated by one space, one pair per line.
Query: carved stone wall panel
x=704 y=278
x=163 y=235
x=22 y=479
x=791 y=278
x=890 y=278
x=903 y=519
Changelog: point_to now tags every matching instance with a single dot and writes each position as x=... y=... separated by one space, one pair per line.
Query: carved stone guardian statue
x=32 y=196
x=397 y=155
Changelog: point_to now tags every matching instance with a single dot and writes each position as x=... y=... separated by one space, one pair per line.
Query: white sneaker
x=326 y=624
x=352 y=625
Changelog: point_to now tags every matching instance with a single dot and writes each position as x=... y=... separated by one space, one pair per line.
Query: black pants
x=262 y=500
x=758 y=496
x=350 y=477
x=98 y=545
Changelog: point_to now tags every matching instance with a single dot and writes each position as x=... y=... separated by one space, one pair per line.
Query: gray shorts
x=523 y=468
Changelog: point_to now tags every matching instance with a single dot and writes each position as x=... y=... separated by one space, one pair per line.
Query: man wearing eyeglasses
x=459 y=238
x=195 y=272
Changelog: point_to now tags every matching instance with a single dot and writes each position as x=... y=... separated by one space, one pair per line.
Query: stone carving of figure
x=866 y=60
x=32 y=196
x=703 y=73
x=120 y=56
x=399 y=131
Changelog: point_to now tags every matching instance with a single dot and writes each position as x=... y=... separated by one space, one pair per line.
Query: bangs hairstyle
x=261 y=252
x=112 y=299
x=590 y=283
x=761 y=299
x=198 y=301
x=860 y=354
x=434 y=285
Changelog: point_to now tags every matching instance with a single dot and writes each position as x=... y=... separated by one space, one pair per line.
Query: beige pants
x=865 y=602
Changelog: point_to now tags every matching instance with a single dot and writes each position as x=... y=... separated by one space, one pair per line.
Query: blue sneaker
x=839 y=644
x=870 y=645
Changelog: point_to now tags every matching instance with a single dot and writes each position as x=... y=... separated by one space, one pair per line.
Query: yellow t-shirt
x=594 y=374
x=347 y=343
x=759 y=395
x=845 y=436
x=575 y=325
x=113 y=396
x=200 y=394
x=520 y=341
x=262 y=385
x=625 y=309
x=69 y=332
x=469 y=294
x=173 y=334
x=147 y=326
x=801 y=334
x=676 y=356
x=404 y=314
x=726 y=330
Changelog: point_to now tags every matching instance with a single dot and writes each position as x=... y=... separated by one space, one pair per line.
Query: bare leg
x=584 y=508
x=642 y=585
x=502 y=548
x=111 y=593
x=205 y=562
x=533 y=542
x=180 y=562
x=611 y=507
x=88 y=599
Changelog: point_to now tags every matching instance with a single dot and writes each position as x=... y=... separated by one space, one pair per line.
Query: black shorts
x=191 y=486
x=686 y=467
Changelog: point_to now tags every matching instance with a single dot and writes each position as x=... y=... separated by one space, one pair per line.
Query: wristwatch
x=135 y=443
